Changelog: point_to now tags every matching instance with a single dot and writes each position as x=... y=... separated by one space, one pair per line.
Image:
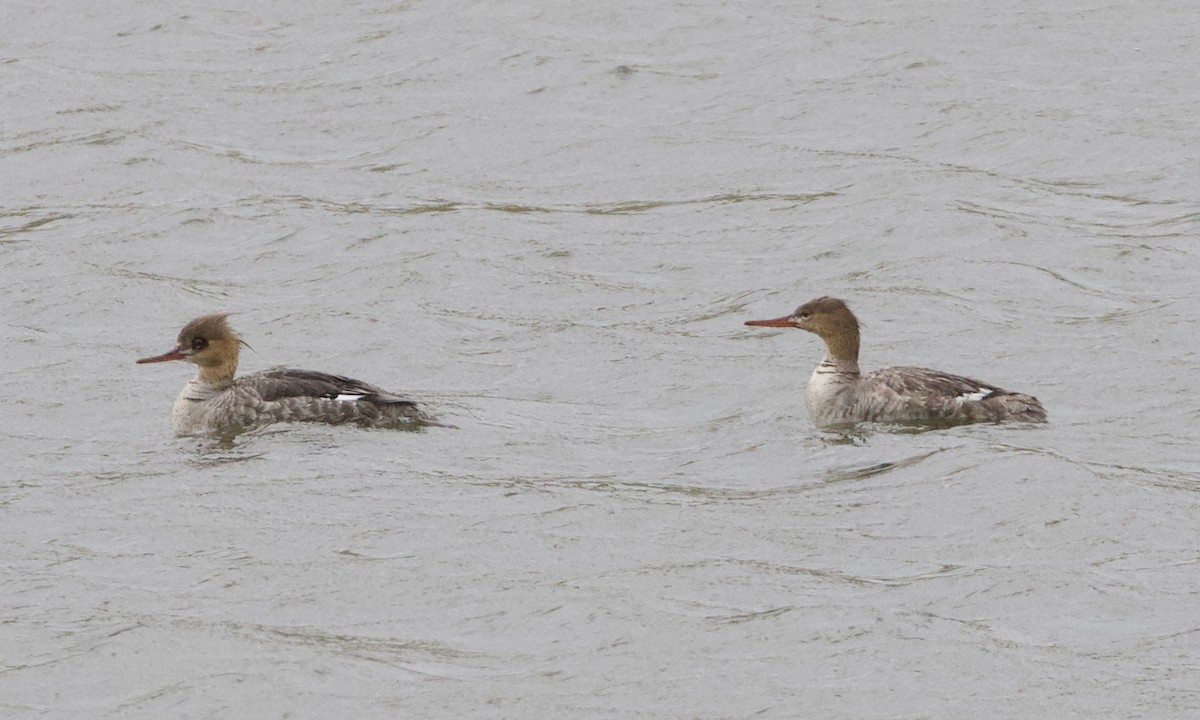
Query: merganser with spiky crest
x=838 y=393
x=214 y=401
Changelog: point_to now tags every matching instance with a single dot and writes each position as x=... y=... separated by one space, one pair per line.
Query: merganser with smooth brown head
x=214 y=401
x=838 y=393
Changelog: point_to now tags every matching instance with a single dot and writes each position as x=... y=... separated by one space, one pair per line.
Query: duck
x=838 y=393
x=215 y=401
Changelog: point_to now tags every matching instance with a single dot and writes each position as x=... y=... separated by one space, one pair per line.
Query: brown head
x=827 y=317
x=210 y=343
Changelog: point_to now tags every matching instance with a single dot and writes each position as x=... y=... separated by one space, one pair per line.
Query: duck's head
x=827 y=317
x=210 y=343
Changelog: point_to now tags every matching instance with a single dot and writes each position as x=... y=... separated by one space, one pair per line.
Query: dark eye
x=199 y=344
x=805 y=315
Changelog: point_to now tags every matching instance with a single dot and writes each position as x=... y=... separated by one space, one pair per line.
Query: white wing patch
x=349 y=398
x=976 y=396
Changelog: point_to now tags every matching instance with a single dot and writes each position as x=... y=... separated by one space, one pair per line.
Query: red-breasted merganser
x=214 y=401
x=839 y=393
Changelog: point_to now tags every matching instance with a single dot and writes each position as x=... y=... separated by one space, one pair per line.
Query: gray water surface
x=548 y=222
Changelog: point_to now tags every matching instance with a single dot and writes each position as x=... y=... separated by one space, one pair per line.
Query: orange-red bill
x=174 y=354
x=777 y=322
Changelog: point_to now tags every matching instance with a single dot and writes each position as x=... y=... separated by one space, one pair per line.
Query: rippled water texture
x=549 y=221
